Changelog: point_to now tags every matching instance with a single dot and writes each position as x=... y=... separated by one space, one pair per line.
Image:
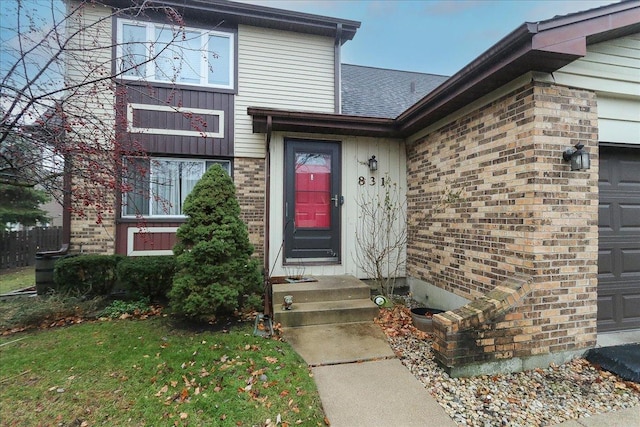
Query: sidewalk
x=362 y=383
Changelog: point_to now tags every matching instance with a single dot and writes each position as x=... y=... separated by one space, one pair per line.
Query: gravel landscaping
x=539 y=397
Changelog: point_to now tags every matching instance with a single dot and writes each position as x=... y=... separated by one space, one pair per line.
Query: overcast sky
x=431 y=36
x=438 y=37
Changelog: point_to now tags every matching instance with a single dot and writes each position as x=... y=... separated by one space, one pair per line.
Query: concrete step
x=326 y=288
x=326 y=312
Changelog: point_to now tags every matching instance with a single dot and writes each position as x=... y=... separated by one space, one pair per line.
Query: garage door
x=619 y=236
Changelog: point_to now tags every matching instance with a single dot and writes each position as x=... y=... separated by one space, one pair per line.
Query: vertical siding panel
x=355 y=154
x=182 y=145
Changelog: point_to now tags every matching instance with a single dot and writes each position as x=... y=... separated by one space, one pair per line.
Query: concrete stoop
x=329 y=300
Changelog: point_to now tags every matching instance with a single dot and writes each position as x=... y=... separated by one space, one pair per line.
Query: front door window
x=313 y=190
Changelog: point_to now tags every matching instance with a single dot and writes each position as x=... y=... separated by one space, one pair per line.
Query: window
x=188 y=56
x=157 y=187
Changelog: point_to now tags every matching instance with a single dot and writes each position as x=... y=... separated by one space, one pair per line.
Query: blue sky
x=437 y=37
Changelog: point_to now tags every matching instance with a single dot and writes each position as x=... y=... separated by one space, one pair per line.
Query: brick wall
x=89 y=234
x=521 y=211
x=249 y=178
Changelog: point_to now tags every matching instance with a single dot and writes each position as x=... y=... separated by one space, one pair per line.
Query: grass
x=150 y=373
x=17 y=278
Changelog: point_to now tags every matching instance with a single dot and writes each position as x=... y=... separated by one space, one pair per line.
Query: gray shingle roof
x=380 y=92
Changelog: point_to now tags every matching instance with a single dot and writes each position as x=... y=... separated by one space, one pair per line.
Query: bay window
x=161 y=53
x=157 y=187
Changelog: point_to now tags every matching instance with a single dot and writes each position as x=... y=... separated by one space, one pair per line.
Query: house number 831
x=372 y=180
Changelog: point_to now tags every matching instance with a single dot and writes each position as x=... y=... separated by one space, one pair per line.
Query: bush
x=86 y=274
x=149 y=277
x=214 y=264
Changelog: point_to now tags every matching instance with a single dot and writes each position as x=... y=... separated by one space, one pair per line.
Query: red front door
x=312 y=201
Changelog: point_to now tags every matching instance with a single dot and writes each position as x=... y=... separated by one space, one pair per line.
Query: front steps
x=330 y=300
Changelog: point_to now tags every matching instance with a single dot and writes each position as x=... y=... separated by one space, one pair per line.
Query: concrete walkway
x=360 y=381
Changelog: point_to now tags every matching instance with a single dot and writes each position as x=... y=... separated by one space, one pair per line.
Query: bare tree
x=58 y=88
x=381 y=235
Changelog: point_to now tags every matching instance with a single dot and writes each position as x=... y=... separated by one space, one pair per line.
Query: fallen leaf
x=162 y=391
x=184 y=415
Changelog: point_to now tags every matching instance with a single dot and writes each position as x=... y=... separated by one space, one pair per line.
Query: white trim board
x=132 y=231
x=177 y=132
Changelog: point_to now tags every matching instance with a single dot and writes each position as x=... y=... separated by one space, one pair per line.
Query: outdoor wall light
x=373 y=164
x=579 y=158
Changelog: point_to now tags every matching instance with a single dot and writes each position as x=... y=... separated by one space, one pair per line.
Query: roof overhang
x=267 y=120
x=255 y=15
x=544 y=47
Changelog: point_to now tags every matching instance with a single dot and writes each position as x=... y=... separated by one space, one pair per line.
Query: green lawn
x=17 y=278
x=151 y=373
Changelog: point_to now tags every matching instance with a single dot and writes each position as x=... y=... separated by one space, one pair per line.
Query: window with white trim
x=161 y=53
x=157 y=187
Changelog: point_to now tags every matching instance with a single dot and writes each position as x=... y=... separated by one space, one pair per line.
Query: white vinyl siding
x=612 y=70
x=619 y=120
x=355 y=153
x=279 y=69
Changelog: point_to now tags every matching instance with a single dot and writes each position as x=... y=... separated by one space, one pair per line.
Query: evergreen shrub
x=147 y=276
x=86 y=274
x=214 y=268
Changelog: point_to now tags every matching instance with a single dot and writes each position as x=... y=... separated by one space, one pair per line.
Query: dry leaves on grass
x=396 y=321
x=56 y=322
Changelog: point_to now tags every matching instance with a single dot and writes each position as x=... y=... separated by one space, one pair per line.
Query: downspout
x=268 y=306
x=337 y=71
x=66 y=192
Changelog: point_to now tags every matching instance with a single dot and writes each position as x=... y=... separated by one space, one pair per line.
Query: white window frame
x=151 y=198
x=131 y=233
x=150 y=66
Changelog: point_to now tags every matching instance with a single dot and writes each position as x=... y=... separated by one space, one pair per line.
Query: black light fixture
x=373 y=164
x=579 y=158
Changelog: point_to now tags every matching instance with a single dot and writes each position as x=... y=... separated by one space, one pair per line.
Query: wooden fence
x=18 y=248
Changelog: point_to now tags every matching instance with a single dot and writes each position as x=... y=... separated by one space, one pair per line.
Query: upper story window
x=160 y=53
